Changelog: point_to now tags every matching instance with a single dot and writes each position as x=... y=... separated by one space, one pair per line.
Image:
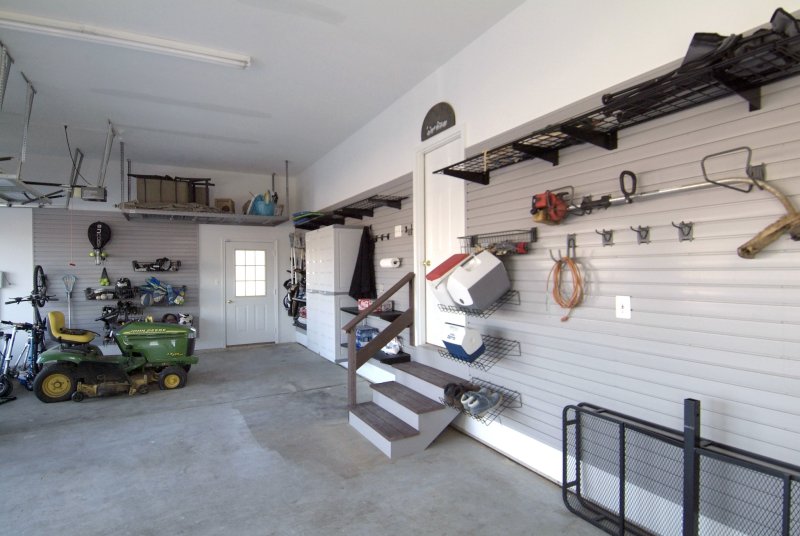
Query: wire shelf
x=512 y=297
x=499 y=243
x=496 y=349
x=754 y=62
x=511 y=399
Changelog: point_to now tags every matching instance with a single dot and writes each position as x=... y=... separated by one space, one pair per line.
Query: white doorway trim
x=272 y=247
x=456 y=135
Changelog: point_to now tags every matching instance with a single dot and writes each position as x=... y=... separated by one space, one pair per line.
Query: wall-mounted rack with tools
x=740 y=65
x=553 y=206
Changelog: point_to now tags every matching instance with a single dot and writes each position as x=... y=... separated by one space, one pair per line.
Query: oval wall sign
x=440 y=117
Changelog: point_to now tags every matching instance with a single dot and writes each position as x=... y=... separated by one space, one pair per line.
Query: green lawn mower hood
x=158 y=342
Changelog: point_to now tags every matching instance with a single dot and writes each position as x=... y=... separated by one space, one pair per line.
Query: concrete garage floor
x=256 y=444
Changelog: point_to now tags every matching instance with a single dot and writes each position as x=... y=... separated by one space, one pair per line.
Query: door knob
x=230 y=301
x=426 y=263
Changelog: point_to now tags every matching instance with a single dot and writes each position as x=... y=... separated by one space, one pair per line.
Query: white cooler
x=463 y=343
x=478 y=281
x=437 y=278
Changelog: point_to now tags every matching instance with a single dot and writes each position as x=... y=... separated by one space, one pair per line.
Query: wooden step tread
x=383 y=422
x=407 y=398
x=431 y=375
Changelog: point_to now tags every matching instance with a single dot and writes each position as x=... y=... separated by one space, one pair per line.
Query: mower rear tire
x=5 y=386
x=55 y=383
x=171 y=378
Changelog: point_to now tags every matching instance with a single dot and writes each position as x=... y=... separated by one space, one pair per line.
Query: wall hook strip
x=685 y=231
x=642 y=234
x=608 y=236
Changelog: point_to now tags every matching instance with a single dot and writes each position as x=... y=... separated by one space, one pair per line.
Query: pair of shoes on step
x=453 y=392
x=477 y=403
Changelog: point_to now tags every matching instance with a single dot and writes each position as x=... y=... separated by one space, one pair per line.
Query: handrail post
x=351 y=368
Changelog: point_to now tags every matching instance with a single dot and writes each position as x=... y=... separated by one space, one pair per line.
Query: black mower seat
x=66 y=335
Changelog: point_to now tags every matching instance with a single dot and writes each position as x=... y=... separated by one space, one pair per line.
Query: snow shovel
x=69 y=282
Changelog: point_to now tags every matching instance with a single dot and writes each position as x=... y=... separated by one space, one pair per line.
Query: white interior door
x=444 y=221
x=250 y=293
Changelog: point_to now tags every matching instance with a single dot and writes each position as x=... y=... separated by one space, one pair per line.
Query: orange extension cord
x=577 y=285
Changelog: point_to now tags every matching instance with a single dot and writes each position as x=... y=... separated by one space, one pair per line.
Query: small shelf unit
x=496 y=349
x=511 y=399
x=387 y=359
x=510 y=297
x=500 y=243
x=389 y=316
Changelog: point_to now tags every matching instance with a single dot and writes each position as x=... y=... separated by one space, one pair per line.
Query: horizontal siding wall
x=384 y=221
x=706 y=324
x=61 y=236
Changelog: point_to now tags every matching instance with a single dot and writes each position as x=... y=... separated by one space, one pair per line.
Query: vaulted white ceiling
x=319 y=71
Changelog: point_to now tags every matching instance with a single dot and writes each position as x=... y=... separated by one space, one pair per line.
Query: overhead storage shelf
x=366 y=207
x=752 y=63
x=222 y=218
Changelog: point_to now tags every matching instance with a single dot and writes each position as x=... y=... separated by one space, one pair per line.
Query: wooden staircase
x=405 y=415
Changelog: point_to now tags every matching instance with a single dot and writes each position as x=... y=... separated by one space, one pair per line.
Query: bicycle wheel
x=39 y=286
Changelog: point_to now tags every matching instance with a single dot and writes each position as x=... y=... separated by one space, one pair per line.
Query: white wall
x=17 y=263
x=541 y=57
x=212 y=292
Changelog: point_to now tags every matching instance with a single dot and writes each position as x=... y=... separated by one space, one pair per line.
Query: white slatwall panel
x=384 y=221
x=706 y=324
x=60 y=236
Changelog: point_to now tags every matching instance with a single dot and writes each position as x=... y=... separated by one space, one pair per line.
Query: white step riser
x=432 y=425
x=398 y=410
x=372 y=436
x=421 y=386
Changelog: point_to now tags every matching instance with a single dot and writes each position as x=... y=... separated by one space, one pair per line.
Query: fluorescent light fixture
x=119 y=38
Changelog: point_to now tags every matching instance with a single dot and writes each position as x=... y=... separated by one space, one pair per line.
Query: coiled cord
x=556 y=275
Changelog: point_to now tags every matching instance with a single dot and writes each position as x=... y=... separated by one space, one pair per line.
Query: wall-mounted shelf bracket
x=751 y=94
x=549 y=155
x=471 y=176
x=605 y=140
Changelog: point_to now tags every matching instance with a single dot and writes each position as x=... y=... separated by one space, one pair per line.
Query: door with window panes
x=250 y=296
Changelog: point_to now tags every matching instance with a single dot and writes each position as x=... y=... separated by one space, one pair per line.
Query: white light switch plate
x=398 y=231
x=623 y=307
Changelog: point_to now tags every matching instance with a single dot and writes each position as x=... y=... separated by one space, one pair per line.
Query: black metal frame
x=753 y=63
x=496 y=349
x=715 y=488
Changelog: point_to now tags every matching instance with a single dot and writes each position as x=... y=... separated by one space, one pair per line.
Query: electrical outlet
x=398 y=231
x=379 y=288
x=623 y=307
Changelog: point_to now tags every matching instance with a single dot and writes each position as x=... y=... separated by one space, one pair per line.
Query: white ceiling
x=319 y=71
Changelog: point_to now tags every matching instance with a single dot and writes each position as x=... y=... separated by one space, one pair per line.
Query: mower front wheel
x=171 y=378
x=55 y=383
x=5 y=386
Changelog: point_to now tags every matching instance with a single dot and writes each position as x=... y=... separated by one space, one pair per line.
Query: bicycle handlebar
x=25 y=326
x=30 y=298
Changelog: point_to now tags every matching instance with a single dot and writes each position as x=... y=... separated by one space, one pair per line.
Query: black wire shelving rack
x=510 y=399
x=496 y=349
x=510 y=297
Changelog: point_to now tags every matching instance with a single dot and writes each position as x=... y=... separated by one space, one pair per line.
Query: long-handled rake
x=69 y=283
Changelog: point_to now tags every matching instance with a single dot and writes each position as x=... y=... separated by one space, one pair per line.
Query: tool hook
x=685 y=230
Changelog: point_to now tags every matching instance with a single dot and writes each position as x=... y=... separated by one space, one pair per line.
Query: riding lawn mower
x=151 y=353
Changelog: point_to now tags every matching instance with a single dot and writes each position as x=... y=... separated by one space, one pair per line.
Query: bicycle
x=36 y=334
x=9 y=368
